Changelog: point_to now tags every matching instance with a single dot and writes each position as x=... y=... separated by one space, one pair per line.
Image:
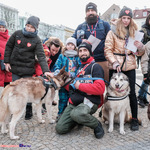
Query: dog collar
x=113 y=98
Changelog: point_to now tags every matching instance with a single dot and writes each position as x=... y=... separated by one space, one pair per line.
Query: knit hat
x=125 y=11
x=34 y=21
x=71 y=40
x=91 y=5
x=87 y=46
x=3 y=23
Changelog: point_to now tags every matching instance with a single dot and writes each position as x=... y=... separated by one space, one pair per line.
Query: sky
x=69 y=13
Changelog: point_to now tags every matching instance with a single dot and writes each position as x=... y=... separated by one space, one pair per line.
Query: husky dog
x=116 y=105
x=17 y=94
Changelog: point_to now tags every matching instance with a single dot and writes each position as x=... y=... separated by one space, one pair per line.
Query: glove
x=56 y=72
x=72 y=84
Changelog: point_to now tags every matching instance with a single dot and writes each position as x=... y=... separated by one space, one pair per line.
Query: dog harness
x=48 y=84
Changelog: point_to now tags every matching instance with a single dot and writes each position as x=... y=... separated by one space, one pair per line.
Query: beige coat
x=114 y=44
x=145 y=58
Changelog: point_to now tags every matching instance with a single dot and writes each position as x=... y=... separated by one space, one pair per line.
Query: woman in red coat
x=5 y=77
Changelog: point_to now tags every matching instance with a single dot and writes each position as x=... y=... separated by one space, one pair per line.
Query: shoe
x=99 y=131
x=54 y=103
x=145 y=101
x=29 y=114
x=134 y=124
x=140 y=101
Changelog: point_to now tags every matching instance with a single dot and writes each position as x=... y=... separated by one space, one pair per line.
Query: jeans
x=141 y=92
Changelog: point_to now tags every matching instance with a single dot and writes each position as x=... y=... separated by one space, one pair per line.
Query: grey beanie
x=71 y=40
x=3 y=23
x=91 y=5
x=125 y=11
x=34 y=21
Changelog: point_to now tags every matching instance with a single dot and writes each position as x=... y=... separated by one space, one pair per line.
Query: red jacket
x=4 y=75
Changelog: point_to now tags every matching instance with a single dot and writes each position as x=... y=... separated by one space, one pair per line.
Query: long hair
x=147 y=20
x=121 y=30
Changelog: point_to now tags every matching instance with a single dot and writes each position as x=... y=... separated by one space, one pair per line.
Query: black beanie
x=87 y=46
x=125 y=11
x=91 y=5
x=34 y=21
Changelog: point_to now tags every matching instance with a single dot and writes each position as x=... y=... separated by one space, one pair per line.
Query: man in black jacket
x=20 y=52
x=85 y=95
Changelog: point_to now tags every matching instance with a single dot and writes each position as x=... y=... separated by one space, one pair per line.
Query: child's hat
x=71 y=40
x=34 y=21
x=3 y=23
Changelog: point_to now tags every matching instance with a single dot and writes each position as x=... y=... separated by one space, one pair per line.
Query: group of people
x=24 y=55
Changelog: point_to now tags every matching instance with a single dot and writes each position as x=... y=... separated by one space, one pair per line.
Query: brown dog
x=16 y=95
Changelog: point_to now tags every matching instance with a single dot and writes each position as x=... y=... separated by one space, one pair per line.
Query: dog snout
x=117 y=85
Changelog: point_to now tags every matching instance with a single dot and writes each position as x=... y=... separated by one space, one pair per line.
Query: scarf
x=29 y=34
x=70 y=53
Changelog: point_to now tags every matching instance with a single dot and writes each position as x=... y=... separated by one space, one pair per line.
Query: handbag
x=2 y=65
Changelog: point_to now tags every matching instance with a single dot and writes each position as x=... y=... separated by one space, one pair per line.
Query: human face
x=126 y=20
x=2 y=28
x=84 y=54
x=70 y=46
x=91 y=13
x=30 y=28
x=54 y=50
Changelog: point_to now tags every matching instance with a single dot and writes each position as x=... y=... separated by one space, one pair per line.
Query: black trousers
x=131 y=74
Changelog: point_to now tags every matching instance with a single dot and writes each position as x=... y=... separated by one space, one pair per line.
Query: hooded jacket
x=4 y=75
x=20 y=52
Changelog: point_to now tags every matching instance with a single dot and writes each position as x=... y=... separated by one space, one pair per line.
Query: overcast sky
x=67 y=12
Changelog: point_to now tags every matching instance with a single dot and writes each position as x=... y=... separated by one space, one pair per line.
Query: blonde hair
x=121 y=30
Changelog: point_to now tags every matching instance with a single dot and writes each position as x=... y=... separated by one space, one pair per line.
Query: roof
x=141 y=13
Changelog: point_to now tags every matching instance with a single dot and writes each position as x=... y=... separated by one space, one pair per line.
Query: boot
x=98 y=131
x=145 y=101
x=28 y=111
x=141 y=101
x=134 y=124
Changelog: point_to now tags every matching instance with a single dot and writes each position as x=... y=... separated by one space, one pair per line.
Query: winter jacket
x=146 y=30
x=92 y=91
x=114 y=44
x=145 y=60
x=20 y=52
x=64 y=61
x=101 y=32
x=4 y=75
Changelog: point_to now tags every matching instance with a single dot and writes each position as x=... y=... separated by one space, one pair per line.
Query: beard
x=84 y=59
x=91 y=19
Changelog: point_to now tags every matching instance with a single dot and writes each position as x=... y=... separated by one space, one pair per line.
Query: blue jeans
x=141 y=92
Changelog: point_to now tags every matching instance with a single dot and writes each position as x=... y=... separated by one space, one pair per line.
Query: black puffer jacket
x=20 y=52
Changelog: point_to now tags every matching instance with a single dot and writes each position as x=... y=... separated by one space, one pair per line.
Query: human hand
x=77 y=85
x=116 y=66
x=50 y=74
x=138 y=44
x=85 y=40
x=7 y=67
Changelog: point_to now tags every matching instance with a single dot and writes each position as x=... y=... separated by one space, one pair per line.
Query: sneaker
x=99 y=131
x=140 y=101
x=134 y=124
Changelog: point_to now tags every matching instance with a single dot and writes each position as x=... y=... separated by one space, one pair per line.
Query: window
x=144 y=13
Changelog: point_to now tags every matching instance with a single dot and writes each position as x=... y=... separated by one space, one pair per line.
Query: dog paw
x=4 y=132
x=110 y=130
x=122 y=132
x=43 y=121
x=52 y=121
x=14 y=138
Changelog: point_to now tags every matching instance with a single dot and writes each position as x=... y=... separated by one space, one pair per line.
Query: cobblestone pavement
x=44 y=137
